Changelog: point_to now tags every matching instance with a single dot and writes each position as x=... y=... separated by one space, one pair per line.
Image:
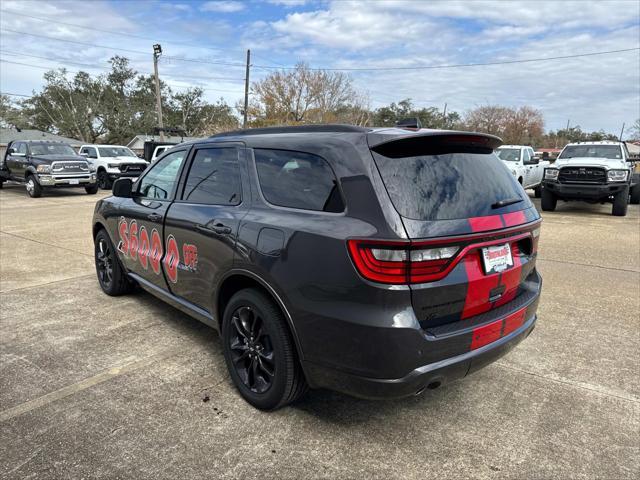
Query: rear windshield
x=448 y=186
x=595 y=151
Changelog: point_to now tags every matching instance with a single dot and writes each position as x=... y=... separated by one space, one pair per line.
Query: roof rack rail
x=327 y=128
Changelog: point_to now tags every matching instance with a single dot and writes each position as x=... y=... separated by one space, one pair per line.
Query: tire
x=260 y=352
x=1 y=184
x=549 y=201
x=635 y=194
x=538 y=191
x=103 y=180
x=111 y=276
x=620 y=202
x=34 y=190
x=92 y=190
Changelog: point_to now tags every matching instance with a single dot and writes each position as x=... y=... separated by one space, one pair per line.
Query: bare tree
x=302 y=96
x=524 y=125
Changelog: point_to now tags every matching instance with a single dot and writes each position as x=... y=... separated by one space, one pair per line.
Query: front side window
x=526 y=156
x=298 y=180
x=115 y=152
x=162 y=178
x=22 y=148
x=214 y=177
x=592 y=151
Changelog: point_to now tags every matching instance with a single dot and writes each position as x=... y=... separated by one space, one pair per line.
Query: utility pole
x=157 y=51
x=621 y=131
x=246 y=90
x=444 y=116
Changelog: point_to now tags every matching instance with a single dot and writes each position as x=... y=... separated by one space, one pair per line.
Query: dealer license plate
x=496 y=258
x=74 y=182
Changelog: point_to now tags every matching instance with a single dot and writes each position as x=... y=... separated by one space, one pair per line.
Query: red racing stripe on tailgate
x=511 y=278
x=479 y=286
x=513 y=322
x=486 y=334
x=514 y=218
x=482 y=224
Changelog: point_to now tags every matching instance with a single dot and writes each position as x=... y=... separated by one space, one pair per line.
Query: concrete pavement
x=99 y=387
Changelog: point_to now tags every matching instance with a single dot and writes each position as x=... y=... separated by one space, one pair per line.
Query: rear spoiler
x=395 y=143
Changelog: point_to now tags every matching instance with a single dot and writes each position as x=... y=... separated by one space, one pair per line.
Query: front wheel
x=620 y=202
x=103 y=180
x=260 y=352
x=549 y=201
x=538 y=191
x=33 y=187
x=91 y=190
x=111 y=276
x=635 y=194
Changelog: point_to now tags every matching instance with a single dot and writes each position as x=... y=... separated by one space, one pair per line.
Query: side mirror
x=84 y=154
x=532 y=161
x=11 y=151
x=122 y=188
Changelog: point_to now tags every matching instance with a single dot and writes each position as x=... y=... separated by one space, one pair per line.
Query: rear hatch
x=473 y=230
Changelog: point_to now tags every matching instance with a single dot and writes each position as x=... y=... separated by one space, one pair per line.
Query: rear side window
x=298 y=180
x=448 y=186
x=214 y=177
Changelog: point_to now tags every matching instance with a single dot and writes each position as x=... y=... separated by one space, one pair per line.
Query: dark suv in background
x=375 y=262
x=46 y=164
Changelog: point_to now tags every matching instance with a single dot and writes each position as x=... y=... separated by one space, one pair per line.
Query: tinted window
x=51 y=149
x=21 y=148
x=509 y=154
x=214 y=177
x=297 y=180
x=594 y=151
x=162 y=177
x=448 y=186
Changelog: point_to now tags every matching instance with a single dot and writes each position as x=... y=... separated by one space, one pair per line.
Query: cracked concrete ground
x=99 y=387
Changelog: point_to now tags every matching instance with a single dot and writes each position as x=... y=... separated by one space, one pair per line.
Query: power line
x=76 y=71
x=15 y=94
x=139 y=52
x=458 y=65
x=93 y=29
x=103 y=67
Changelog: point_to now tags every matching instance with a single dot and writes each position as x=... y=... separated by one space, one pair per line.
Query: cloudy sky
x=395 y=40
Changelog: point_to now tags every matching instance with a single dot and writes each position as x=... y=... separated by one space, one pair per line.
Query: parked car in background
x=46 y=164
x=153 y=149
x=595 y=172
x=112 y=162
x=525 y=166
x=376 y=262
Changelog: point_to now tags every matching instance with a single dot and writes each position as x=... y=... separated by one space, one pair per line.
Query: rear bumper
x=428 y=376
x=584 y=190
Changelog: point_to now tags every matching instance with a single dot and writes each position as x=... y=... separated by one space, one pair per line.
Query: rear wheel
x=93 y=189
x=620 y=202
x=112 y=277
x=549 y=200
x=103 y=180
x=259 y=351
x=33 y=187
x=538 y=191
x=635 y=194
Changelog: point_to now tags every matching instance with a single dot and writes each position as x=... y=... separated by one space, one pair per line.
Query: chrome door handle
x=154 y=217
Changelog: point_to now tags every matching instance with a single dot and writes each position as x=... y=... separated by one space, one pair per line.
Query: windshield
x=508 y=154
x=594 y=151
x=116 y=152
x=449 y=186
x=51 y=149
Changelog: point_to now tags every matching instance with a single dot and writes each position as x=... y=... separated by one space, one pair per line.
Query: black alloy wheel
x=259 y=351
x=252 y=350
x=104 y=263
x=111 y=276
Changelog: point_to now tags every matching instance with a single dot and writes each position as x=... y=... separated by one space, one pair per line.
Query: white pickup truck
x=524 y=165
x=112 y=162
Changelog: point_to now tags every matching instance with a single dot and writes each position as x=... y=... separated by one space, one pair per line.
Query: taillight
x=399 y=262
